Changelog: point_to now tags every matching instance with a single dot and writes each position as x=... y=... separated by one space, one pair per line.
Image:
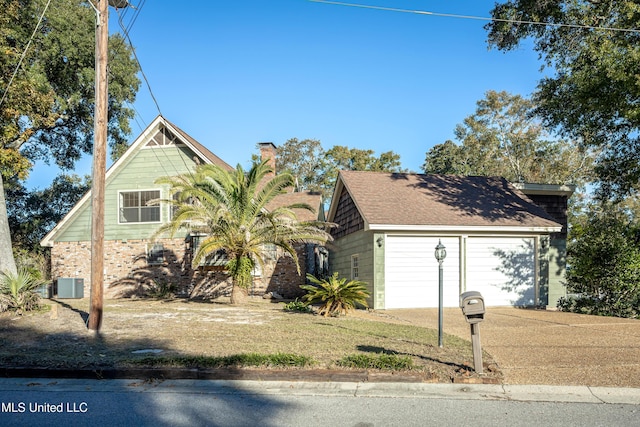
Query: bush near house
x=336 y=296
x=605 y=266
x=18 y=291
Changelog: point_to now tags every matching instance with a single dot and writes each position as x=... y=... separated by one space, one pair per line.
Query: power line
x=133 y=49
x=128 y=38
x=24 y=53
x=477 y=18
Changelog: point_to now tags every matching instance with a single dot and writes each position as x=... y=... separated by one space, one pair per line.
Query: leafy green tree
x=230 y=207
x=302 y=159
x=591 y=93
x=316 y=169
x=503 y=138
x=447 y=158
x=344 y=158
x=604 y=260
x=335 y=295
x=32 y=214
x=47 y=111
x=341 y=157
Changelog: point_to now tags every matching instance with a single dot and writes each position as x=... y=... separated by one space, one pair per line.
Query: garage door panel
x=411 y=272
x=502 y=269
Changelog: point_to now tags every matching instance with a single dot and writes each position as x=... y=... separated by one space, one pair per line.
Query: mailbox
x=472 y=305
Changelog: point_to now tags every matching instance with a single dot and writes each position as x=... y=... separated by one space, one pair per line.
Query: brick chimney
x=268 y=152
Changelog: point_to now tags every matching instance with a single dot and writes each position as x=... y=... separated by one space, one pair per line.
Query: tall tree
x=230 y=208
x=32 y=214
x=341 y=157
x=592 y=95
x=503 y=137
x=316 y=169
x=302 y=159
x=345 y=158
x=47 y=111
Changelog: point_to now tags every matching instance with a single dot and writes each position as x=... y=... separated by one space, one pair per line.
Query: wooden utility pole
x=99 y=166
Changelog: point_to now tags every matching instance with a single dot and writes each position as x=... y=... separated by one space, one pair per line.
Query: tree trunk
x=7 y=262
x=238 y=295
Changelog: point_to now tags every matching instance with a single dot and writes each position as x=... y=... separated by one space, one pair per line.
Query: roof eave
x=465 y=228
x=545 y=189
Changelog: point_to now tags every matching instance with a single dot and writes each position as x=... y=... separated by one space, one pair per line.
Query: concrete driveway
x=547 y=347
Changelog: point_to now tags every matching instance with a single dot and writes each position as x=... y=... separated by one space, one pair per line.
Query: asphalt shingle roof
x=203 y=150
x=442 y=200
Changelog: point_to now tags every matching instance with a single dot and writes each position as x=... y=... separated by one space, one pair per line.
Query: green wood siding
x=557 y=268
x=139 y=172
x=378 y=271
x=360 y=243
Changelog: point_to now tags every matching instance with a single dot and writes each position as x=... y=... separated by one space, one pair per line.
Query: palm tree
x=230 y=208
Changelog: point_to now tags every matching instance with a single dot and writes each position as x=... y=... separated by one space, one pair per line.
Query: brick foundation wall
x=127 y=272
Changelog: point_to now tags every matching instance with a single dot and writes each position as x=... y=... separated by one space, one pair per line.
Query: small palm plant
x=18 y=291
x=336 y=296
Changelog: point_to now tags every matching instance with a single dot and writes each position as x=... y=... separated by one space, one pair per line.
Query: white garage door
x=502 y=269
x=411 y=272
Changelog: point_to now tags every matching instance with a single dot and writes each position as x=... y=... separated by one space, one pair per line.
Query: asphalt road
x=251 y=403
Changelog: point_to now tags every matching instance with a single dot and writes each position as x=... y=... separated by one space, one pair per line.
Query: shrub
x=18 y=291
x=34 y=262
x=277 y=360
x=297 y=305
x=335 y=296
x=605 y=267
x=162 y=289
x=391 y=362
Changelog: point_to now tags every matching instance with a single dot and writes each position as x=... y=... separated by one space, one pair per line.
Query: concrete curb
x=516 y=393
x=312 y=375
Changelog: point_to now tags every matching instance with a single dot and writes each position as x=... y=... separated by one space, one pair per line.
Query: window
x=135 y=207
x=155 y=254
x=354 y=267
x=215 y=259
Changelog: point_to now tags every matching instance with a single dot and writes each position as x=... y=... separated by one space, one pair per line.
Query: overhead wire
x=126 y=30
x=136 y=14
x=133 y=49
x=477 y=18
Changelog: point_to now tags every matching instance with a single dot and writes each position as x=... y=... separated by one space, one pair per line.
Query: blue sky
x=235 y=73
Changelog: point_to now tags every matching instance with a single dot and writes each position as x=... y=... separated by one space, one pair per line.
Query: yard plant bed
x=212 y=337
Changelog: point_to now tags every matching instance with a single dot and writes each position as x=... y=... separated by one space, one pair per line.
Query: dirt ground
x=520 y=346
x=137 y=329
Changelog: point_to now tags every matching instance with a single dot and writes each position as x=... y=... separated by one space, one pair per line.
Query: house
x=134 y=262
x=506 y=241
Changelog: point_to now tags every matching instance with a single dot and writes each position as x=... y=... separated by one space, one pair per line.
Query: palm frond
x=335 y=295
x=231 y=208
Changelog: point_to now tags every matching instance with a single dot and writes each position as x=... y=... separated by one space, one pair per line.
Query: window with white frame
x=355 y=261
x=135 y=206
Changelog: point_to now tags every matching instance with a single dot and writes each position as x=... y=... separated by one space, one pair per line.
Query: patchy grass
x=278 y=360
x=382 y=361
x=181 y=333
